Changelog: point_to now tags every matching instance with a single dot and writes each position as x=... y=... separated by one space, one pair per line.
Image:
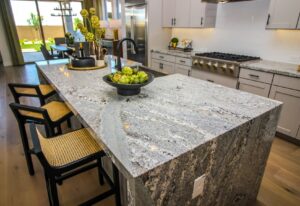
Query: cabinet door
x=163 y=66
x=197 y=13
x=283 y=14
x=168 y=13
x=289 y=120
x=182 y=17
x=181 y=69
x=253 y=87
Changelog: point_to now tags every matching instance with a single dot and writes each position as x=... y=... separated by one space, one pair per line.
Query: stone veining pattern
x=177 y=129
x=273 y=67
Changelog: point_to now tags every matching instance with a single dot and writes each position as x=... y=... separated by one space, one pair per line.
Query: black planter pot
x=84 y=62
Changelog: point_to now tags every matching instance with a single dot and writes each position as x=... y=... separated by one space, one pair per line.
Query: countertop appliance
x=217 y=67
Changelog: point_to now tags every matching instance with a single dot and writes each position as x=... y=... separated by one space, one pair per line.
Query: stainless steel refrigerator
x=136 y=28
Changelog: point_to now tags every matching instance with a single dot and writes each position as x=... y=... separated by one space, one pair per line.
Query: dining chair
x=41 y=91
x=68 y=155
x=51 y=115
x=60 y=40
x=47 y=54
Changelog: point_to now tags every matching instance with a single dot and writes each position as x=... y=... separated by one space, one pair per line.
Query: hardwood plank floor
x=280 y=185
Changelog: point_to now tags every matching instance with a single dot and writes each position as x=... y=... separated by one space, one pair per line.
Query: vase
x=100 y=52
x=92 y=48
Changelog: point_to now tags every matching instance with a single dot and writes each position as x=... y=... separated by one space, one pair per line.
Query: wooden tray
x=69 y=66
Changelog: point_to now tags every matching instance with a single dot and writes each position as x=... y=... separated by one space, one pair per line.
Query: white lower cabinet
x=258 y=88
x=289 y=121
x=181 y=69
x=163 y=66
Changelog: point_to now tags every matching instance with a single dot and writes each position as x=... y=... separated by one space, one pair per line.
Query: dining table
x=61 y=48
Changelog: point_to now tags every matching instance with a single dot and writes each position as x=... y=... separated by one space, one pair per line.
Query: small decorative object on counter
x=174 y=42
x=129 y=81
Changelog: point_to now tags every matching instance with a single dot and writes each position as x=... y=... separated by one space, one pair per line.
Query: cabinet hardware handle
x=189 y=72
x=201 y=21
x=161 y=65
x=254 y=76
x=268 y=21
x=174 y=21
x=161 y=57
x=210 y=80
x=182 y=61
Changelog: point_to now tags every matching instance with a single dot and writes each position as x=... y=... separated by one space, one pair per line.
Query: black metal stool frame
x=55 y=175
x=39 y=94
x=49 y=127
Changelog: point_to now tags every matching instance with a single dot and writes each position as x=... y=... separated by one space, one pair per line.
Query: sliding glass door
x=41 y=21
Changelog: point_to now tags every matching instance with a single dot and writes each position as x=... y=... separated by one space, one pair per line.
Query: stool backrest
x=45 y=52
x=60 y=40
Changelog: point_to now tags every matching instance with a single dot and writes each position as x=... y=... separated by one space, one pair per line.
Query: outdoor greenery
x=36 y=44
x=76 y=22
x=34 y=21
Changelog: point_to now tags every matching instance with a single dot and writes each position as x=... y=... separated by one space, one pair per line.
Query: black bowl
x=128 y=89
x=83 y=62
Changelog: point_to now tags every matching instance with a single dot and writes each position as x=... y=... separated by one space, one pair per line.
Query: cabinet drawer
x=180 y=69
x=215 y=78
x=256 y=75
x=184 y=61
x=164 y=57
x=258 y=88
x=163 y=66
x=287 y=82
x=289 y=120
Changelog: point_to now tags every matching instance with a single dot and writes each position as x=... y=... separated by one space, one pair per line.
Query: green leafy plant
x=175 y=40
x=34 y=21
x=76 y=21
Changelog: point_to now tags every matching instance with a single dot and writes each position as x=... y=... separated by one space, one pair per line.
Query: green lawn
x=34 y=45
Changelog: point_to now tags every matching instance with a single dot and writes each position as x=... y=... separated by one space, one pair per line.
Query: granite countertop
x=166 y=120
x=174 y=53
x=273 y=67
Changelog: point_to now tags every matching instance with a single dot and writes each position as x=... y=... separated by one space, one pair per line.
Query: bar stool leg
x=53 y=189
x=116 y=185
x=100 y=169
x=26 y=148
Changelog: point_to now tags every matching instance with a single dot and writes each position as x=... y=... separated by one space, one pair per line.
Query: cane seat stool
x=67 y=155
x=51 y=115
x=41 y=91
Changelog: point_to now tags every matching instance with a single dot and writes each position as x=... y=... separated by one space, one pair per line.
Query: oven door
x=224 y=80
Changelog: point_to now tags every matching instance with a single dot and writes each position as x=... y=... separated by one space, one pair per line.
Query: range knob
x=231 y=68
x=201 y=62
x=224 y=67
x=195 y=62
x=216 y=65
x=209 y=64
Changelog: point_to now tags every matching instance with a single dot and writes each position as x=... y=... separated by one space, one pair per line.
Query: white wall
x=240 y=29
x=158 y=37
x=4 y=47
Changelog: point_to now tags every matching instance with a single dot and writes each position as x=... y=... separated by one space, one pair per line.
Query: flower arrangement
x=69 y=38
x=91 y=29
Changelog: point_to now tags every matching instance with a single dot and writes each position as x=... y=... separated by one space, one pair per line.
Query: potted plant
x=92 y=31
x=174 y=42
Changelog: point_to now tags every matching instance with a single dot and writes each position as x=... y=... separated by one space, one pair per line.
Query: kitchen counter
x=166 y=137
x=273 y=67
x=174 y=53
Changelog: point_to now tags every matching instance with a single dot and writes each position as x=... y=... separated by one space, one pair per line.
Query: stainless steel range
x=220 y=68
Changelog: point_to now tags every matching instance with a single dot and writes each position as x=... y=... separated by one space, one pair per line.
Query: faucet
x=119 y=47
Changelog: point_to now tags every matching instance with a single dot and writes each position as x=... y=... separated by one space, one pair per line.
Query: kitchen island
x=177 y=130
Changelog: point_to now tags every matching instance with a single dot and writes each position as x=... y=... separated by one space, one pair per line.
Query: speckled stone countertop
x=174 y=52
x=165 y=121
x=273 y=67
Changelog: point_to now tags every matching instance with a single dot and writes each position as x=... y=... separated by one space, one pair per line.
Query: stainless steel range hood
x=223 y=1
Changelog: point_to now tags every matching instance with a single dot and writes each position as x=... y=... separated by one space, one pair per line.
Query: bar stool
x=50 y=115
x=42 y=91
x=70 y=154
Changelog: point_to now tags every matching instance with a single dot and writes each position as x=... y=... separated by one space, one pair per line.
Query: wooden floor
x=280 y=185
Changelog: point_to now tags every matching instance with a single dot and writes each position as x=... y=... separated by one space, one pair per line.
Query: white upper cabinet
x=182 y=17
x=202 y=15
x=169 y=13
x=188 y=13
x=283 y=14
